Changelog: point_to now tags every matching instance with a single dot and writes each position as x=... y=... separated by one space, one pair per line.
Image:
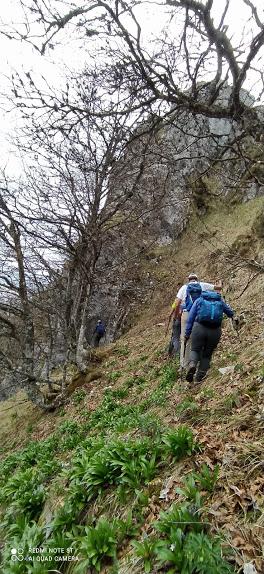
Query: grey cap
x=193 y=276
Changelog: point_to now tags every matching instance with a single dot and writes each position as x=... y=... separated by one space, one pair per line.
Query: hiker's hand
x=219 y=285
x=186 y=338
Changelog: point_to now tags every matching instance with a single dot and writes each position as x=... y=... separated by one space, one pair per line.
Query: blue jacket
x=100 y=329
x=193 y=314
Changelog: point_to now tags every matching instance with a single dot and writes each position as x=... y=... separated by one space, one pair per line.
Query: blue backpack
x=210 y=310
x=193 y=292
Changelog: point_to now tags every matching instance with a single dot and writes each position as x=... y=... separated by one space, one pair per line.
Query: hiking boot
x=200 y=376
x=190 y=372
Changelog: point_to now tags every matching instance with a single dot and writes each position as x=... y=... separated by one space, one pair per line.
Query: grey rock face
x=158 y=211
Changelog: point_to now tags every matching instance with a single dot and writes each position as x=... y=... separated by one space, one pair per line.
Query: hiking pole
x=183 y=357
x=235 y=328
x=168 y=324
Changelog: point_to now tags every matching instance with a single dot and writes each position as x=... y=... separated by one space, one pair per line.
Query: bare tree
x=70 y=220
x=187 y=66
x=196 y=65
x=18 y=288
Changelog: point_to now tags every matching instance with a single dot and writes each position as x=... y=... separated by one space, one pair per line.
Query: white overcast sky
x=18 y=56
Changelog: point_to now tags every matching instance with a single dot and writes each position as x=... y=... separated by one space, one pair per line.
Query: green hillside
x=140 y=471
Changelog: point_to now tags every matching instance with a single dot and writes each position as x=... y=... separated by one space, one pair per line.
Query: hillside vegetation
x=140 y=471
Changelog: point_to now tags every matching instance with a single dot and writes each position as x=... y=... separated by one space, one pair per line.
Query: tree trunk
x=80 y=351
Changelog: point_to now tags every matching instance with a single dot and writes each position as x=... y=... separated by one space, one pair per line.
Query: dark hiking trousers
x=175 y=344
x=97 y=338
x=204 y=341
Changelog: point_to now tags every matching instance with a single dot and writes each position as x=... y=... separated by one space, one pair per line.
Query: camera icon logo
x=17 y=554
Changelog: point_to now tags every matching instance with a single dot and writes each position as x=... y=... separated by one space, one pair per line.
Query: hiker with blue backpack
x=185 y=298
x=98 y=333
x=204 y=327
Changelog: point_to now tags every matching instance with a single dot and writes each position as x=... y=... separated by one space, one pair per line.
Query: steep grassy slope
x=137 y=441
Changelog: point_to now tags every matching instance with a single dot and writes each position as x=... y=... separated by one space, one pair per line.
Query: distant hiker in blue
x=99 y=332
x=204 y=326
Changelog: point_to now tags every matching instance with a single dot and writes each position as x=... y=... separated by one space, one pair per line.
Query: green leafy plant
x=48 y=468
x=181 y=516
x=78 y=396
x=195 y=553
x=25 y=492
x=121 y=393
x=97 y=545
x=230 y=355
x=180 y=443
x=187 y=405
x=142 y=358
x=168 y=376
x=203 y=555
x=32 y=537
x=137 y=380
x=122 y=351
x=207 y=393
x=126 y=464
x=114 y=376
x=127 y=527
x=65 y=517
x=145 y=549
x=190 y=491
x=207 y=478
x=16 y=529
x=233 y=400
x=171 y=551
x=239 y=367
